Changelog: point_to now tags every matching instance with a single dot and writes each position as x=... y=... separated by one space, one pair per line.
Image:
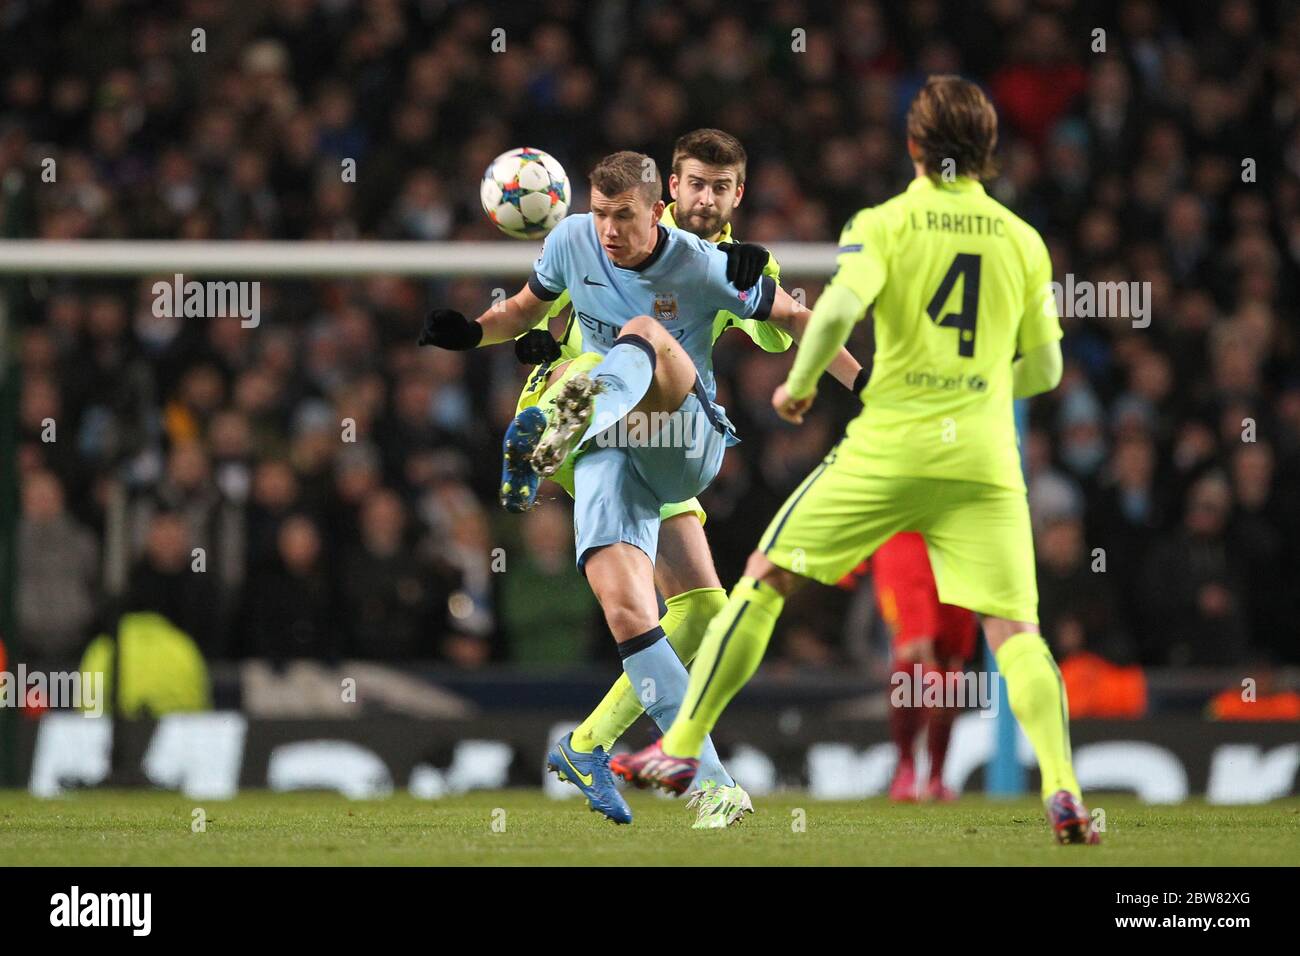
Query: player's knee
x=998 y=629
x=643 y=326
x=920 y=651
x=660 y=339
x=626 y=620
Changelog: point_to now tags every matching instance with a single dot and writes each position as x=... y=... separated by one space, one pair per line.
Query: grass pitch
x=108 y=828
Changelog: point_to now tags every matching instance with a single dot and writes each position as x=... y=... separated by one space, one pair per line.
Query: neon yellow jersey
x=764 y=334
x=957 y=285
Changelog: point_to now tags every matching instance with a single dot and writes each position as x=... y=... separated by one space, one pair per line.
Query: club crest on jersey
x=665 y=307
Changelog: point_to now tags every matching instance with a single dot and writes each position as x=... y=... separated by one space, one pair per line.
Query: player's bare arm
x=789 y=315
x=449 y=329
x=827 y=329
x=512 y=318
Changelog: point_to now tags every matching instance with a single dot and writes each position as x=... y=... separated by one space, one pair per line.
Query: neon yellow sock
x=694 y=610
x=684 y=622
x=732 y=650
x=1037 y=696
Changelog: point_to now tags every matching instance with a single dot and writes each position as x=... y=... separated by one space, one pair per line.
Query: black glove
x=448 y=329
x=536 y=347
x=860 y=381
x=745 y=263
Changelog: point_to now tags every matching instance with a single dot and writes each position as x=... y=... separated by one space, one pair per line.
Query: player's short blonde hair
x=619 y=172
x=952 y=119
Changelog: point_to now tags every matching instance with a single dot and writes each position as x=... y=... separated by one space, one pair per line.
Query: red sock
x=906 y=722
x=938 y=731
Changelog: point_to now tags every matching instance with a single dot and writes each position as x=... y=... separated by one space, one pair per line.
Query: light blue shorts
x=622 y=479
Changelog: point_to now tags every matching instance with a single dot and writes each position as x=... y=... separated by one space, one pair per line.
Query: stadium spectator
x=58 y=570
x=1128 y=511
x=1193 y=585
x=1262 y=525
x=290 y=610
x=275 y=495
x=395 y=605
x=1078 y=608
x=538 y=575
x=166 y=581
x=1132 y=162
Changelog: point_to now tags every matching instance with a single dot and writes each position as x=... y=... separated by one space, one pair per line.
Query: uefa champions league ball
x=525 y=192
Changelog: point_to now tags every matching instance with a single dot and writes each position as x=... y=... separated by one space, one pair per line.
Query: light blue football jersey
x=683 y=284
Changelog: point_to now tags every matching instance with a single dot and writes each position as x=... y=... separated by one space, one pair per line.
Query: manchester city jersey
x=682 y=283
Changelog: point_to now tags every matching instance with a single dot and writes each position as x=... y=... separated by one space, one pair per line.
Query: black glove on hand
x=860 y=382
x=745 y=263
x=536 y=347
x=448 y=329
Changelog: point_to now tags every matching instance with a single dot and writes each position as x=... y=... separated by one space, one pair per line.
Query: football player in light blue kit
x=646 y=296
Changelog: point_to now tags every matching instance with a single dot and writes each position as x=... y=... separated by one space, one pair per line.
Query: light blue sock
x=625 y=373
x=711 y=767
x=659 y=678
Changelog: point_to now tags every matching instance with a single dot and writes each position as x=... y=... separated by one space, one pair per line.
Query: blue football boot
x=590 y=774
x=519 y=480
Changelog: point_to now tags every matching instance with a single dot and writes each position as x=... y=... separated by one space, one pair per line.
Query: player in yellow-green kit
x=707 y=184
x=965 y=322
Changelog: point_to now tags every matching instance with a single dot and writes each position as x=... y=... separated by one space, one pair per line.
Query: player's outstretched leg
x=519 y=478
x=664 y=677
x=684 y=572
x=685 y=620
x=687 y=616
x=684 y=567
x=644 y=370
x=732 y=649
x=571 y=415
x=621 y=575
x=1037 y=696
x=590 y=403
x=721 y=801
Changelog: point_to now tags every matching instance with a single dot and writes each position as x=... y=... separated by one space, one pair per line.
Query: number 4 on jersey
x=967 y=266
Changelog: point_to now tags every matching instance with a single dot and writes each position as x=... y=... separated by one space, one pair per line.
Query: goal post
x=324 y=260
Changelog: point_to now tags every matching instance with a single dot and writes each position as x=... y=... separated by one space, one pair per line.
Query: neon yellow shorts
x=537 y=392
x=977 y=535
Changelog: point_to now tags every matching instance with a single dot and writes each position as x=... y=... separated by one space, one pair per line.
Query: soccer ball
x=525 y=192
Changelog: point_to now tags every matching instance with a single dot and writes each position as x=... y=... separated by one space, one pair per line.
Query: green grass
x=259 y=828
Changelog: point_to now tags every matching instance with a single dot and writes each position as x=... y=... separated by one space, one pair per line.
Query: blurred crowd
x=339 y=483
